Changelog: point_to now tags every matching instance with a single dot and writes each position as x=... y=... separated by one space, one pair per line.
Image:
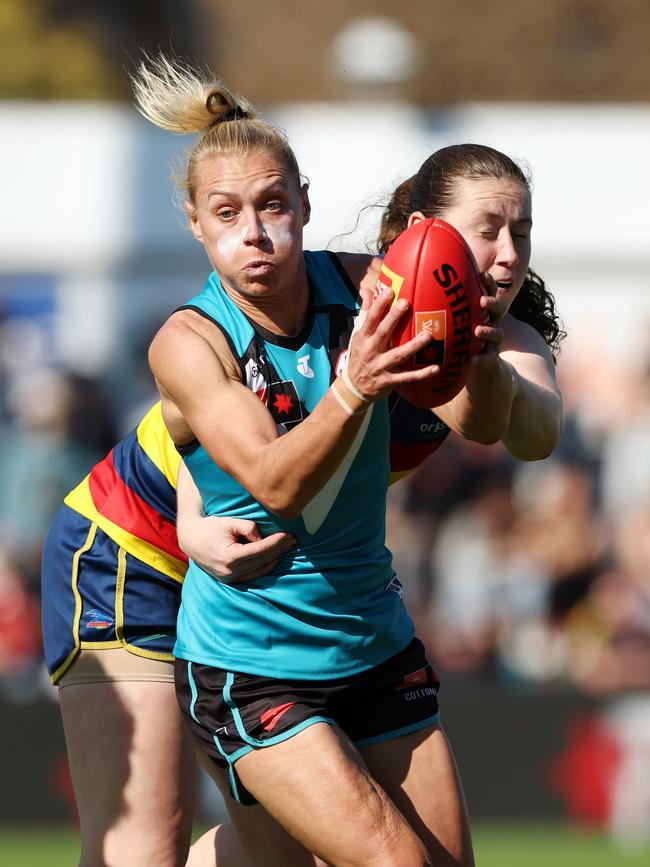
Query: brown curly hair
x=432 y=190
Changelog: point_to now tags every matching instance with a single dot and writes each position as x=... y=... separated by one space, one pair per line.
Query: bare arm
x=203 y=397
x=511 y=395
x=230 y=549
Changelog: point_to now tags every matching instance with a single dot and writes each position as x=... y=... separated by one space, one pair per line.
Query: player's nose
x=254 y=230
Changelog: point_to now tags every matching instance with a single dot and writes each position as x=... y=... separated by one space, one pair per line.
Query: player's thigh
x=253 y=839
x=419 y=773
x=132 y=767
x=318 y=787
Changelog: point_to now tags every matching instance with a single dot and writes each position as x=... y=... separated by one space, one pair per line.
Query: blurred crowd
x=526 y=574
x=539 y=573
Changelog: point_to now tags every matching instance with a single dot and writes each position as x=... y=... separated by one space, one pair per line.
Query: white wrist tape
x=343 y=402
x=352 y=387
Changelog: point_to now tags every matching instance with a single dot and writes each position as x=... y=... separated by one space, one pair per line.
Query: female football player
x=307 y=688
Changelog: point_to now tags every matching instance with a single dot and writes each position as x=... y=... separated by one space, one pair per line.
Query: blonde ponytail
x=184 y=99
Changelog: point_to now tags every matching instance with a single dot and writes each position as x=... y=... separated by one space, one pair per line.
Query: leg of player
x=419 y=773
x=251 y=839
x=318 y=787
x=132 y=766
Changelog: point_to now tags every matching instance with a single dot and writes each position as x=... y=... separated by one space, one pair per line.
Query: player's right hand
x=373 y=365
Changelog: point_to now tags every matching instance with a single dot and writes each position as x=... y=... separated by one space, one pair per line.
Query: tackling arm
x=511 y=396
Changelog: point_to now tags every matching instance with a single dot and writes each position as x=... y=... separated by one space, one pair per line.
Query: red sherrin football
x=431 y=265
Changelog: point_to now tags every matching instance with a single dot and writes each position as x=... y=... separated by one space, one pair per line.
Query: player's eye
x=274 y=205
x=225 y=213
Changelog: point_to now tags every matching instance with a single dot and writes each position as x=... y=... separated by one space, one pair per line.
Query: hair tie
x=235 y=113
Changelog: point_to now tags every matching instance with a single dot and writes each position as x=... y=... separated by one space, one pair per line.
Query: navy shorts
x=230 y=713
x=95 y=595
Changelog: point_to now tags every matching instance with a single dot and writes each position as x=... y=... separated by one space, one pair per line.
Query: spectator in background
x=20 y=634
x=39 y=462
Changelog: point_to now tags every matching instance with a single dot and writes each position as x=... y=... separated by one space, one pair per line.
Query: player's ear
x=306 y=204
x=415 y=217
x=193 y=220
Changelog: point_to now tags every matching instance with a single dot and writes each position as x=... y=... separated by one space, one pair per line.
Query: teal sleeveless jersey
x=333 y=606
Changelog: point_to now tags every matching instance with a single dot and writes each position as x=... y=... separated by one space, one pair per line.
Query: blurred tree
x=42 y=59
x=74 y=49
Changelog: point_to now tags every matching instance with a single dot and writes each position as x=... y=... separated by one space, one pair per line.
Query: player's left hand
x=491 y=331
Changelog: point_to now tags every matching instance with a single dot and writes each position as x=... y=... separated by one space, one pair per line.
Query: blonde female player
x=111 y=583
x=298 y=686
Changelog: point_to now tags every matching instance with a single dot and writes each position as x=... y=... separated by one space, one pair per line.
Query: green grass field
x=496 y=846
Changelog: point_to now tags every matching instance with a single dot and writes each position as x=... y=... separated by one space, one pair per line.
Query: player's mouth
x=258 y=266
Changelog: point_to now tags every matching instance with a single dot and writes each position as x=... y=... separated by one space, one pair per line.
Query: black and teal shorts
x=231 y=713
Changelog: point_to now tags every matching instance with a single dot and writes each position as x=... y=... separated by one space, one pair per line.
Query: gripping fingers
x=254 y=571
x=387 y=325
x=399 y=354
x=490 y=283
x=257 y=558
x=380 y=311
x=403 y=376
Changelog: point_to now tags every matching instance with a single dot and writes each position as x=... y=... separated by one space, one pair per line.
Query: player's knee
x=116 y=850
x=395 y=848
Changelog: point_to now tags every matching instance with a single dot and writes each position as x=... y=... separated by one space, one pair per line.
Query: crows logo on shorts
x=98 y=620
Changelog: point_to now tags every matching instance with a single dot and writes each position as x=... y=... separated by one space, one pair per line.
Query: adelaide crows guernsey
x=333 y=606
x=131 y=496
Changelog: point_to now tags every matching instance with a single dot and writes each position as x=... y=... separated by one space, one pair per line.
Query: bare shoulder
x=519 y=336
x=528 y=352
x=361 y=268
x=187 y=338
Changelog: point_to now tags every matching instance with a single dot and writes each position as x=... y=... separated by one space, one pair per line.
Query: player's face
x=249 y=213
x=494 y=215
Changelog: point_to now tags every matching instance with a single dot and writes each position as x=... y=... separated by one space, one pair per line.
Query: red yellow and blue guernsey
x=112 y=567
x=131 y=496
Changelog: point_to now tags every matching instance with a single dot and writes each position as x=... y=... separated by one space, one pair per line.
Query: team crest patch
x=98 y=620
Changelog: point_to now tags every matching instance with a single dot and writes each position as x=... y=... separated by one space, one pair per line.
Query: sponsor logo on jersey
x=254 y=377
x=303 y=367
x=342 y=362
x=98 y=620
x=395 y=586
x=437 y=427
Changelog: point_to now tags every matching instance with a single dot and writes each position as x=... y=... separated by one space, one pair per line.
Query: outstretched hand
x=375 y=368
